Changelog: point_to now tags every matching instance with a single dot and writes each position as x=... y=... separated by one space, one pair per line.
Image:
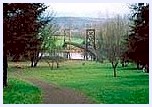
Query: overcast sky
x=88 y=9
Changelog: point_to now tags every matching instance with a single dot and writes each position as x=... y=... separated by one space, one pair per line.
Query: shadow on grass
x=127 y=68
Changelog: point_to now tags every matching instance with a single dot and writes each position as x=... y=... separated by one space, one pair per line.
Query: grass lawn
x=94 y=79
x=20 y=92
x=60 y=40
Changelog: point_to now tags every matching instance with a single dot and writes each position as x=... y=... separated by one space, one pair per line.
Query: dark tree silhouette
x=21 y=22
x=138 y=41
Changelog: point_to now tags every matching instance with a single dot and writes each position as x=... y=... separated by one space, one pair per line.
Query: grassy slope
x=20 y=92
x=96 y=81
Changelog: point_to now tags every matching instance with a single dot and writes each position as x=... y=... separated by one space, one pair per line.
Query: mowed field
x=94 y=79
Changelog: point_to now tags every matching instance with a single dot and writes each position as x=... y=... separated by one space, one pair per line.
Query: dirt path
x=56 y=95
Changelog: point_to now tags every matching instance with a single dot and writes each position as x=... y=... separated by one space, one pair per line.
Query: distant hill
x=78 y=23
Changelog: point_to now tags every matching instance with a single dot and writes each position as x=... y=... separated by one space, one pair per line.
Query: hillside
x=78 y=23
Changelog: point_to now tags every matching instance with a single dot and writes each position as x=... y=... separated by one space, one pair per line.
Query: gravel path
x=58 y=95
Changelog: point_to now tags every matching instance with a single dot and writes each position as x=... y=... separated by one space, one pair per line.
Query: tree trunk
x=35 y=64
x=5 y=65
x=114 y=72
x=138 y=65
x=37 y=59
x=114 y=65
x=16 y=58
x=94 y=57
x=123 y=65
x=52 y=65
x=32 y=61
x=57 y=64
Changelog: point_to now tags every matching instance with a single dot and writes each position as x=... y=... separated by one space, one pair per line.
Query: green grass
x=60 y=40
x=95 y=80
x=20 y=92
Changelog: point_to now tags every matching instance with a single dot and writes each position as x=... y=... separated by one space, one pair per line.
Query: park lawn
x=20 y=92
x=94 y=79
x=60 y=40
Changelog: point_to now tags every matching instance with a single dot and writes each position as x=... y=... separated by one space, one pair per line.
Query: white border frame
x=76 y=1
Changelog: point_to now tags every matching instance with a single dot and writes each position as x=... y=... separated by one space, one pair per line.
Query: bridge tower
x=90 y=42
x=67 y=34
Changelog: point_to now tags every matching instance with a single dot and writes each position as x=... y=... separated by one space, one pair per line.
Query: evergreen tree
x=138 y=41
x=21 y=22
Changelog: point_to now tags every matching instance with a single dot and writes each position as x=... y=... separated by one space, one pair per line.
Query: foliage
x=94 y=80
x=20 y=92
x=21 y=25
x=21 y=22
x=138 y=41
x=47 y=35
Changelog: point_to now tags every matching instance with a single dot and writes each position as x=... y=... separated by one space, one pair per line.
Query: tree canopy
x=138 y=40
x=21 y=23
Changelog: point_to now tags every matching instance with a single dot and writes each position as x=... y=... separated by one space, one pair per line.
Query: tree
x=111 y=37
x=21 y=22
x=44 y=39
x=138 y=40
x=49 y=44
x=47 y=35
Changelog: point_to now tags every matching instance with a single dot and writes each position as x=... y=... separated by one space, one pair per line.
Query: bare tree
x=111 y=37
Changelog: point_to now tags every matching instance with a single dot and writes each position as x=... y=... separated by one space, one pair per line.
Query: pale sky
x=97 y=10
